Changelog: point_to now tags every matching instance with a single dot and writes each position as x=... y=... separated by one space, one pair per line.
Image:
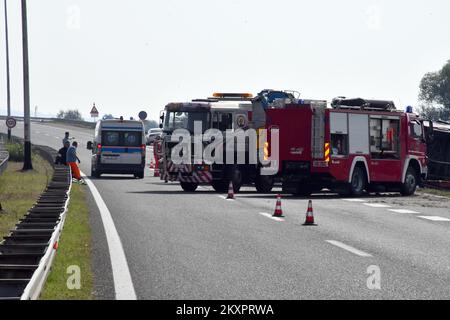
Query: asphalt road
x=200 y=246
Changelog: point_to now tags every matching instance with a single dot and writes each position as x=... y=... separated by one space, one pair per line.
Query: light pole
x=27 y=165
x=8 y=93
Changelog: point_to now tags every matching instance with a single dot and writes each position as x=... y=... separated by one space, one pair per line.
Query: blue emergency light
x=409 y=109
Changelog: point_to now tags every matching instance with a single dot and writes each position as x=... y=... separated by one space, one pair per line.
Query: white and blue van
x=118 y=148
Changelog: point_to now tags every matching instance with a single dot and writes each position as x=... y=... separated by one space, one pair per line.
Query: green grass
x=15 y=151
x=20 y=190
x=74 y=249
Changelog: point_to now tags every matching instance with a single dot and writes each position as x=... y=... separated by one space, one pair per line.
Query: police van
x=118 y=148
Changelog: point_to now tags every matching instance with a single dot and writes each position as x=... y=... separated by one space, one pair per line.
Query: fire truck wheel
x=358 y=183
x=410 y=184
x=264 y=184
x=188 y=186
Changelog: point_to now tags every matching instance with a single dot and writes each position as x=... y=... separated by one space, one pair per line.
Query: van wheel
x=358 y=183
x=139 y=175
x=189 y=186
x=95 y=173
x=410 y=185
x=264 y=184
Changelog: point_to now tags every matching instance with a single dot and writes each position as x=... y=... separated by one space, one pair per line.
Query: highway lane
x=199 y=245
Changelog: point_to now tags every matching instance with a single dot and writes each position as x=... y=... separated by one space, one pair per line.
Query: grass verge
x=20 y=190
x=74 y=250
x=436 y=192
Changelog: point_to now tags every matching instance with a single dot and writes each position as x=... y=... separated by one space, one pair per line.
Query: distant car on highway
x=118 y=148
x=153 y=134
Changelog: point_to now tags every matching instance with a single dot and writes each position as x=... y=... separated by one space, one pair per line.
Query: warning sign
x=94 y=112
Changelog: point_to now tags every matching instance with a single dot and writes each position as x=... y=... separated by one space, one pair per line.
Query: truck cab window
x=222 y=121
x=384 y=138
x=416 y=129
x=339 y=144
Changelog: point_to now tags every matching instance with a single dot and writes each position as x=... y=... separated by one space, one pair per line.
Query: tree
x=73 y=115
x=435 y=93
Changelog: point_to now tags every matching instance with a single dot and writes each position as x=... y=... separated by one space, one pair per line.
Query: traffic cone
x=156 y=173
x=152 y=165
x=278 y=212
x=309 y=215
x=230 y=191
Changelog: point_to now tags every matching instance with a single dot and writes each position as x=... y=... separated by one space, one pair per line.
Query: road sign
x=142 y=115
x=11 y=122
x=94 y=112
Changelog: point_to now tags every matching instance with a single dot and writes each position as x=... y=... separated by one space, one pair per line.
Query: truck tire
x=410 y=185
x=264 y=184
x=359 y=181
x=189 y=186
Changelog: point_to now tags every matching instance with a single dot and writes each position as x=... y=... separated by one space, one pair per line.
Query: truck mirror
x=89 y=145
x=160 y=126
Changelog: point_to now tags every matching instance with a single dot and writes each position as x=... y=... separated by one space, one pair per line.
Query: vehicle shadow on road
x=323 y=196
x=113 y=178
x=169 y=192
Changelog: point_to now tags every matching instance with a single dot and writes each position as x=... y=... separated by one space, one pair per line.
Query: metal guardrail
x=4 y=157
x=27 y=253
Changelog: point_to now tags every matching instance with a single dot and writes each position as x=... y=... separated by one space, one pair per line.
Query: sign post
x=94 y=112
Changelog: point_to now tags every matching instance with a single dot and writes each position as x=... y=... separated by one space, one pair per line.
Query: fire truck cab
x=357 y=145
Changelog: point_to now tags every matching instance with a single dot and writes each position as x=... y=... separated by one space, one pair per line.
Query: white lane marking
x=435 y=218
x=403 y=211
x=268 y=215
x=349 y=248
x=376 y=205
x=353 y=200
x=123 y=284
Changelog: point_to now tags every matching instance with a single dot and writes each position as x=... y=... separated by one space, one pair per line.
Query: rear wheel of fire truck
x=359 y=181
x=264 y=184
x=189 y=186
x=410 y=185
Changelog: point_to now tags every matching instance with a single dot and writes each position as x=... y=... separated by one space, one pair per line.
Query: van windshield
x=185 y=120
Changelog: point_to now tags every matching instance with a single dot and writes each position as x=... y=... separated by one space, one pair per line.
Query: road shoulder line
x=123 y=283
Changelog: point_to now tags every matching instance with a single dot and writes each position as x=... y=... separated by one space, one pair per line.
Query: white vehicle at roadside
x=153 y=134
x=118 y=148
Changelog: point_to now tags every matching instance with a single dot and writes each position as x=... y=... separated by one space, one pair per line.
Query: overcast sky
x=134 y=55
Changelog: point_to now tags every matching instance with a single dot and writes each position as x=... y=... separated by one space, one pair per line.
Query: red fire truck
x=357 y=145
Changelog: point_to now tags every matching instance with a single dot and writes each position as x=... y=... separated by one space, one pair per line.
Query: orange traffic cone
x=309 y=215
x=152 y=165
x=278 y=212
x=230 y=191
